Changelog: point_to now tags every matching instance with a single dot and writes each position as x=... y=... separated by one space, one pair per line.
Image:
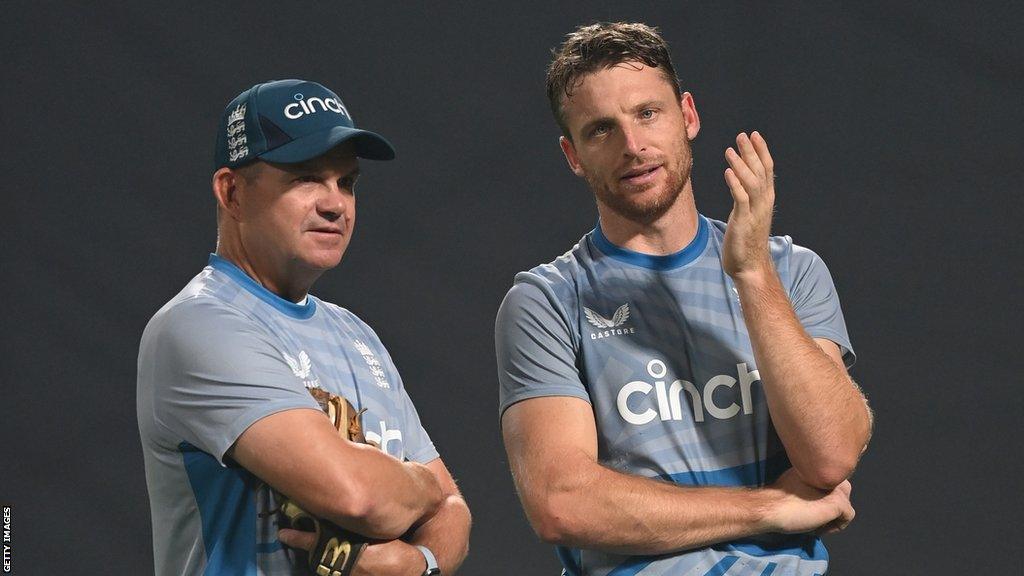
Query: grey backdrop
x=897 y=136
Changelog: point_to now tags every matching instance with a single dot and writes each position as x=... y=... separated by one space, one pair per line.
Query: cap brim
x=368 y=145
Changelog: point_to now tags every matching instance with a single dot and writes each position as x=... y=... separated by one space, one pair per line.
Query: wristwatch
x=432 y=569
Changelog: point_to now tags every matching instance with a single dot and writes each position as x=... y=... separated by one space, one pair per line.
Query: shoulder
x=562 y=270
x=794 y=257
x=347 y=320
x=558 y=280
x=797 y=266
x=363 y=338
x=197 y=326
x=545 y=299
x=192 y=314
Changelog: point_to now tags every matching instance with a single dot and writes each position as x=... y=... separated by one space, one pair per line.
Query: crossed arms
x=360 y=488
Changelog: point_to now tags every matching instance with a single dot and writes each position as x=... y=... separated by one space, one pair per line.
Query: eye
x=348 y=182
x=648 y=113
x=600 y=130
x=307 y=178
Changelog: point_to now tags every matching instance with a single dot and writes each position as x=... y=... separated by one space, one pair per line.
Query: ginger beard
x=634 y=204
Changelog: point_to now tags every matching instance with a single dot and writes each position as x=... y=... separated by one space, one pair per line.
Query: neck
x=292 y=285
x=667 y=234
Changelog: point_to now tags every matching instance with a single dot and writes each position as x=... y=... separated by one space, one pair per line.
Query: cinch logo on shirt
x=303 y=106
x=669 y=398
x=385 y=437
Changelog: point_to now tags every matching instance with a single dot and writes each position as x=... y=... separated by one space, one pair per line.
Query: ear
x=690 y=116
x=570 y=156
x=225 y=190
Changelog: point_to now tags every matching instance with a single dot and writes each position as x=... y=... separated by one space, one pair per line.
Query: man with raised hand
x=235 y=370
x=674 y=395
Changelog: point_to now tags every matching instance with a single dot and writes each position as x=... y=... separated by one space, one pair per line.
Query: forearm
x=299 y=453
x=605 y=509
x=819 y=413
x=446 y=534
x=389 y=496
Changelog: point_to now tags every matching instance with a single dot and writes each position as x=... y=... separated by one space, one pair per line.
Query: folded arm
x=572 y=500
x=821 y=416
x=446 y=533
x=819 y=413
x=356 y=486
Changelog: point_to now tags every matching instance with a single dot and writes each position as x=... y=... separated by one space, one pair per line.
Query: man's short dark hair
x=598 y=46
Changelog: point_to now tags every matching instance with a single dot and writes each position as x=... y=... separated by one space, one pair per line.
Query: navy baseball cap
x=290 y=121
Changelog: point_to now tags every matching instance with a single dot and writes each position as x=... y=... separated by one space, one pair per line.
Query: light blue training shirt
x=659 y=348
x=222 y=354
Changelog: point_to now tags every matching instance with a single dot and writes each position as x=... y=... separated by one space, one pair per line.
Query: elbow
x=829 y=474
x=555 y=522
x=435 y=496
x=552 y=529
x=348 y=503
x=832 y=469
x=825 y=478
x=358 y=509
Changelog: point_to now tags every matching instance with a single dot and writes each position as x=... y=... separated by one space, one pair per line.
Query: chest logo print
x=379 y=375
x=608 y=327
x=617 y=319
x=302 y=367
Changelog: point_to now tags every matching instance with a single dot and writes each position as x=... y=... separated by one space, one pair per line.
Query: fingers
x=845 y=512
x=840 y=522
x=739 y=166
x=749 y=155
x=845 y=487
x=761 y=147
x=845 y=517
x=753 y=165
x=297 y=538
x=739 y=194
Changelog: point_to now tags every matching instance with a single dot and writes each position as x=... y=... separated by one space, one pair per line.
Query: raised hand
x=751 y=180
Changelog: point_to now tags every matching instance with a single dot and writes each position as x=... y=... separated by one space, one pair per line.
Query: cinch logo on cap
x=304 y=106
x=290 y=121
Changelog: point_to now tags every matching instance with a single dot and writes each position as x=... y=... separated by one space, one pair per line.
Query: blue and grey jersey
x=222 y=354
x=658 y=346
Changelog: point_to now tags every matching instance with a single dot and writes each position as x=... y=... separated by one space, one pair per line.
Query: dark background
x=897 y=138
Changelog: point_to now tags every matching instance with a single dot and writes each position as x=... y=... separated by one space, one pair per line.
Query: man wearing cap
x=224 y=369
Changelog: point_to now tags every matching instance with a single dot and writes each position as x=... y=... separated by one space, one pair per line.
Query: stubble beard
x=647 y=211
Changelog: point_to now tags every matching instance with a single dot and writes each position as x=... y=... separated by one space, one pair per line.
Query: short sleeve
x=815 y=301
x=534 y=348
x=212 y=373
x=416 y=442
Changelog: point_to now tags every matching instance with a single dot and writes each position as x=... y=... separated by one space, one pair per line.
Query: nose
x=332 y=202
x=631 y=145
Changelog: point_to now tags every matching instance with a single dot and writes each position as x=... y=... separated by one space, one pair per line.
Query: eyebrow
x=312 y=166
